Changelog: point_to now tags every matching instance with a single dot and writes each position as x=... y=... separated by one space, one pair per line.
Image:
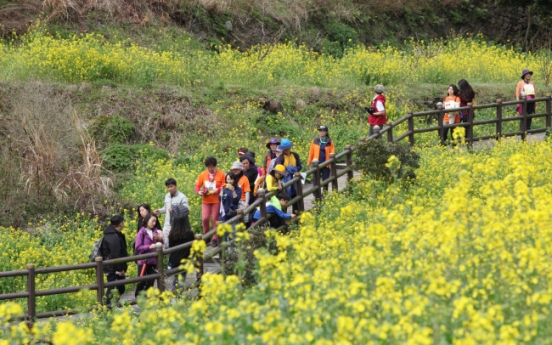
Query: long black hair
x=147 y=218
x=146 y=206
x=233 y=177
x=454 y=89
x=181 y=229
x=466 y=90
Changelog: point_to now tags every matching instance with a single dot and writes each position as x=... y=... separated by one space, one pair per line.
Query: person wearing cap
x=526 y=87
x=274 y=161
x=274 y=209
x=274 y=180
x=243 y=182
x=320 y=149
x=378 y=114
x=271 y=145
x=291 y=161
x=208 y=186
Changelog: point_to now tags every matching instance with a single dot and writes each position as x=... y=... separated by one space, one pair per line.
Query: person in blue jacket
x=278 y=216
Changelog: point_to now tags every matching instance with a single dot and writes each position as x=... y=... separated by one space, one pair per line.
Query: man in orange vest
x=321 y=148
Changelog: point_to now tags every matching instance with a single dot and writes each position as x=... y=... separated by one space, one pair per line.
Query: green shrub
x=372 y=156
x=112 y=129
x=121 y=158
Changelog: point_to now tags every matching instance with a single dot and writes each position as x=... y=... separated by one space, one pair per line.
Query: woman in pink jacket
x=146 y=239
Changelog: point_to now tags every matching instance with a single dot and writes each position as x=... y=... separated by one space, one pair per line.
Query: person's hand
x=279 y=187
x=246 y=205
x=156 y=211
x=293 y=215
x=170 y=209
x=152 y=246
x=201 y=192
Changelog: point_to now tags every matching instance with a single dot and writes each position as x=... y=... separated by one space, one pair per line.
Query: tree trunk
x=525 y=41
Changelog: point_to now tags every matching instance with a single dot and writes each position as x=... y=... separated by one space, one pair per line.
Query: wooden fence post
x=316 y=180
x=469 y=130
x=499 y=119
x=299 y=187
x=349 y=161
x=198 y=261
x=99 y=279
x=160 y=267
x=524 y=117
x=548 y=111
x=440 y=118
x=411 y=129
x=390 y=133
x=31 y=289
x=262 y=206
x=333 y=168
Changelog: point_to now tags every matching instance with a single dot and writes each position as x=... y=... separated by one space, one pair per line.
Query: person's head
x=180 y=227
x=143 y=210
x=452 y=90
x=379 y=89
x=283 y=197
x=232 y=179
x=285 y=146
x=118 y=222
x=247 y=161
x=526 y=74
x=242 y=151
x=279 y=171
x=171 y=185
x=466 y=89
x=237 y=168
x=150 y=221
x=322 y=131
x=278 y=152
x=211 y=164
x=272 y=144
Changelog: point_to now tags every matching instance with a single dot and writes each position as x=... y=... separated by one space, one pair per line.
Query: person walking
x=181 y=232
x=146 y=240
x=321 y=148
x=452 y=100
x=114 y=247
x=208 y=186
x=377 y=110
x=173 y=197
x=271 y=145
x=526 y=87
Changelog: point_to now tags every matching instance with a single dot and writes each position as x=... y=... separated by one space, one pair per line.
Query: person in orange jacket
x=321 y=148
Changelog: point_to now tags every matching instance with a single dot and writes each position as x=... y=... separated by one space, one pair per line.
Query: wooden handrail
x=260 y=203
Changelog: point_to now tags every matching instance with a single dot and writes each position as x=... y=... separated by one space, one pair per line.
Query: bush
x=112 y=129
x=372 y=158
x=121 y=158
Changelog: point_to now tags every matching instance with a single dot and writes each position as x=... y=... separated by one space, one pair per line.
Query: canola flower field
x=460 y=256
x=91 y=57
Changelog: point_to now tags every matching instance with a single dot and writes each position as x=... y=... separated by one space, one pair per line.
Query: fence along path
x=305 y=194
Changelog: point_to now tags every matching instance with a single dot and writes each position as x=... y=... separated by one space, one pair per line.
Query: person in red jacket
x=321 y=148
x=378 y=114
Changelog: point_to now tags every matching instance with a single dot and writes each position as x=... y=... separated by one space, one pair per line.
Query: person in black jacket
x=181 y=232
x=114 y=247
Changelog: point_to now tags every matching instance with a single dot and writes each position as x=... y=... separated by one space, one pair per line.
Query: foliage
x=112 y=129
x=386 y=161
x=459 y=258
x=121 y=158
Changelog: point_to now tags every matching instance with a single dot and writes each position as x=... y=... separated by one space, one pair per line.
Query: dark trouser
x=111 y=277
x=371 y=132
x=325 y=175
x=144 y=286
x=530 y=110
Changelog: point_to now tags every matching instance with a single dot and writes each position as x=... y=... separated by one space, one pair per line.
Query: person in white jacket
x=173 y=197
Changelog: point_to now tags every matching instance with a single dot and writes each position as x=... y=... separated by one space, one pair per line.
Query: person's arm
x=272 y=209
x=518 y=90
x=247 y=198
x=199 y=185
x=298 y=161
x=184 y=201
x=164 y=209
x=270 y=183
x=139 y=245
x=380 y=109
x=311 y=154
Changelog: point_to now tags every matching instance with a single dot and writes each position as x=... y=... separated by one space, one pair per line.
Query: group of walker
x=222 y=195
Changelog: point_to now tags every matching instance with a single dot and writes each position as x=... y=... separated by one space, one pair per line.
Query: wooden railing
x=317 y=186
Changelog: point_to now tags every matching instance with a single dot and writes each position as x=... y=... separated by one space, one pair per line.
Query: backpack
x=259 y=183
x=96 y=250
